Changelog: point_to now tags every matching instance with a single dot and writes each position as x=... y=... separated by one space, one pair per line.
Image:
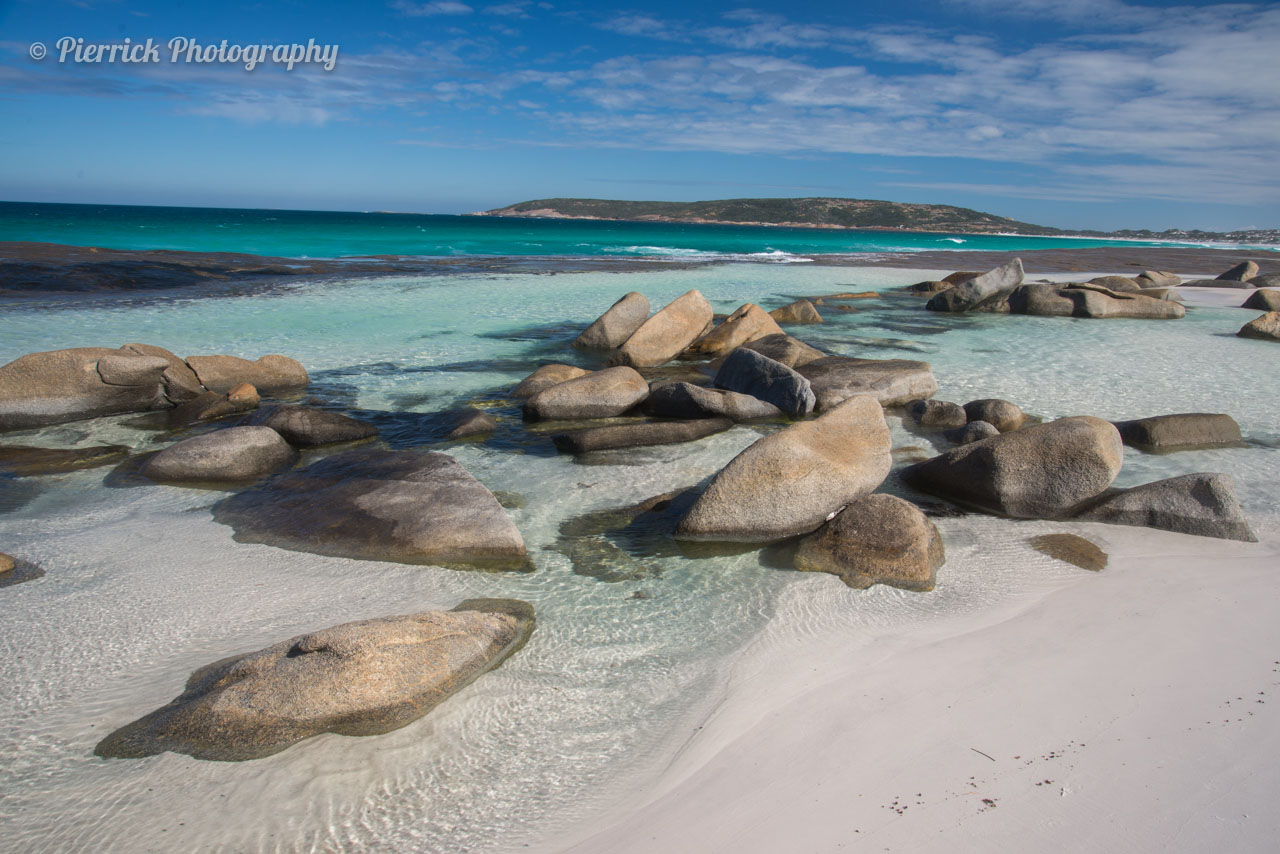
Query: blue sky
x=1073 y=113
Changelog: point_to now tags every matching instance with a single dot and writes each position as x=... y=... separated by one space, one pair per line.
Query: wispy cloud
x=436 y=7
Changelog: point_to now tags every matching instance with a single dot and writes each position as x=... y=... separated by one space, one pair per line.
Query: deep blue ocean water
x=332 y=234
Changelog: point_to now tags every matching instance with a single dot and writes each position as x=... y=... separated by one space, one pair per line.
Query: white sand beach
x=1132 y=710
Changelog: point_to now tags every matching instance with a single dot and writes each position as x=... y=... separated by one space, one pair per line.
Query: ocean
x=328 y=234
x=142 y=586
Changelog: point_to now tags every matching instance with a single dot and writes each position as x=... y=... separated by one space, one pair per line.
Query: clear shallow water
x=142 y=586
x=327 y=234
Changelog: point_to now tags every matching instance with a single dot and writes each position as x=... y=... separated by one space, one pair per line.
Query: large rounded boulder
x=270 y=375
x=878 y=539
x=746 y=324
x=1041 y=472
x=363 y=678
x=600 y=394
x=666 y=335
x=611 y=329
x=403 y=506
x=791 y=482
x=56 y=386
x=234 y=454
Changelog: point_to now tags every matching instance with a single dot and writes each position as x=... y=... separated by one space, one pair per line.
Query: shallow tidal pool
x=141 y=586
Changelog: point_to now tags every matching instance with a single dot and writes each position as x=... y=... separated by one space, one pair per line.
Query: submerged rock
x=363 y=678
x=974 y=431
x=639 y=435
x=403 y=506
x=791 y=352
x=971 y=293
x=936 y=415
x=26 y=461
x=1168 y=432
x=1217 y=283
x=878 y=539
x=747 y=323
x=1042 y=472
x=1265 y=327
x=789 y=483
x=1266 y=299
x=1202 y=504
x=835 y=379
x=668 y=333
x=545 y=377
x=1071 y=549
x=470 y=422
x=602 y=394
x=611 y=330
x=1241 y=272
x=1001 y=414
x=231 y=455
x=800 y=311
x=685 y=400
x=14 y=571
x=308 y=427
x=211 y=406
x=69 y=385
x=748 y=372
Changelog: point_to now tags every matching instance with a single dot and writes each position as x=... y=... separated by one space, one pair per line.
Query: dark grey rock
x=307 y=427
x=1167 y=432
x=685 y=400
x=748 y=372
x=791 y=352
x=638 y=435
x=1202 y=504
x=363 y=678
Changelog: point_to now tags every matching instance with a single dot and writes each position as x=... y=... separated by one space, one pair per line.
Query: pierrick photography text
x=182 y=49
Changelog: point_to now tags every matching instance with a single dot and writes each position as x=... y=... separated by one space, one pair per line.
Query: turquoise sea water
x=321 y=234
x=142 y=586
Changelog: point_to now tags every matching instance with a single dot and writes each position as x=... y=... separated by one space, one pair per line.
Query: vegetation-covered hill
x=810 y=212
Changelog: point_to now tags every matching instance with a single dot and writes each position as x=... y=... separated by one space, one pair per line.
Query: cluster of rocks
x=812 y=485
x=1003 y=290
x=57 y=386
x=1064 y=469
x=1243 y=275
x=1265 y=327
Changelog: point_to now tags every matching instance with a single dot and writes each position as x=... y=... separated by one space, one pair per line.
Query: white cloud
x=435 y=7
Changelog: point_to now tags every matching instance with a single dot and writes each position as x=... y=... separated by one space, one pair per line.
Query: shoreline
x=998 y=729
x=40 y=269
